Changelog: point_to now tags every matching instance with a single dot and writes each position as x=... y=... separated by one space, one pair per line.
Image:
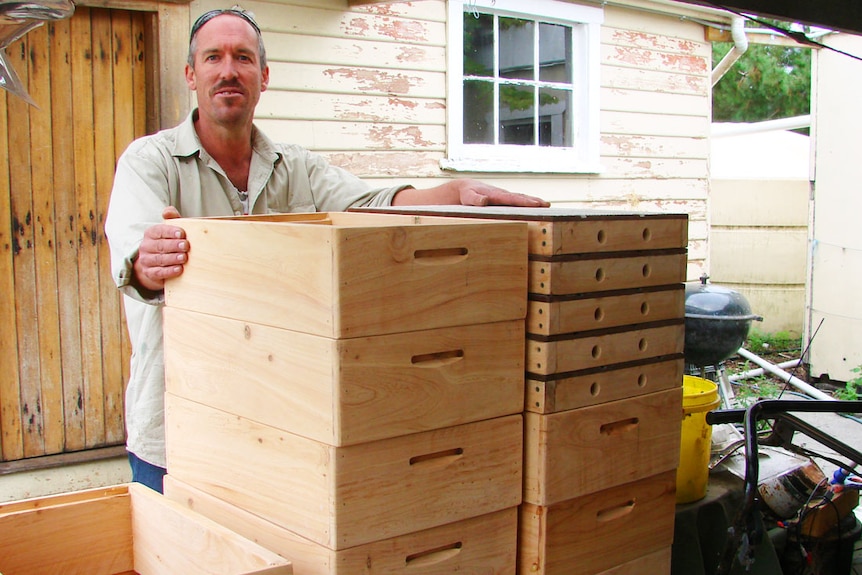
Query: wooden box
x=589 y=350
x=655 y=563
x=554 y=393
x=346 y=391
x=587 y=273
x=123 y=530
x=585 y=312
x=573 y=453
x=600 y=531
x=580 y=251
x=483 y=544
x=340 y=497
x=353 y=274
x=559 y=231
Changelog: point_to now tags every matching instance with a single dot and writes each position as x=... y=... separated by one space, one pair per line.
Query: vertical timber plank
x=117 y=129
x=174 y=95
x=88 y=226
x=41 y=174
x=66 y=230
x=11 y=445
x=25 y=258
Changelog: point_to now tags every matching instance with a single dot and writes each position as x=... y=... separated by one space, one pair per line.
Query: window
x=523 y=86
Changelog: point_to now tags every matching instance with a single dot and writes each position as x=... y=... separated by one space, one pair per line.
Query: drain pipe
x=760 y=371
x=740 y=45
x=786 y=377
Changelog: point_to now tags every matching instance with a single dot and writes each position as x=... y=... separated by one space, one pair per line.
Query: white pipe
x=736 y=128
x=760 y=371
x=788 y=378
x=740 y=45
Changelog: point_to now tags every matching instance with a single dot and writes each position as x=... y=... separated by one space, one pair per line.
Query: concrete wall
x=73 y=477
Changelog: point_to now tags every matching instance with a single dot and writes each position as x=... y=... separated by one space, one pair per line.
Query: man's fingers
x=164 y=231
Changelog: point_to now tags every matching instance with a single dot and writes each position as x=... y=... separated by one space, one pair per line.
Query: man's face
x=227 y=74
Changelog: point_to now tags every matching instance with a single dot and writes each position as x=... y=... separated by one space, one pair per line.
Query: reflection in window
x=518 y=82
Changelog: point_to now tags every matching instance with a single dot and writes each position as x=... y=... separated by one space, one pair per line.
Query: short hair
x=234 y=11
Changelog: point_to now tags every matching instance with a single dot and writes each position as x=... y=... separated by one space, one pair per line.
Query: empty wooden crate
x=352 y=274
x=340 y=497
x=351 y=390
x=122 y=530
x=573 y=453
x=606 y=531
x=482 y=544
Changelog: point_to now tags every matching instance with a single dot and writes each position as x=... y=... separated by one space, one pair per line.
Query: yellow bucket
x=699 y=396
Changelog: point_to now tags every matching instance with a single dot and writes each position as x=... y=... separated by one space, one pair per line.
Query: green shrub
x=758 y=341
x=852 y=388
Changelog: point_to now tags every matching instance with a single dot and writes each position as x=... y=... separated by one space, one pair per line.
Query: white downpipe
x=788 y=378
x=760 y=371
x=740 y=45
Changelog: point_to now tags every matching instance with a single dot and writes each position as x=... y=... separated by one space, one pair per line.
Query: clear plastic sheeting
x=16 y=19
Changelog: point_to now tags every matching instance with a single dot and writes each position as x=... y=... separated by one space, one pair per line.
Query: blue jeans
x=146 y=473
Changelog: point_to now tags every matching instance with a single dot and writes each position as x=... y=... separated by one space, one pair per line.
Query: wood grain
x=346 y=391
x=573 y=453
x=345 y=496
x=483 y=544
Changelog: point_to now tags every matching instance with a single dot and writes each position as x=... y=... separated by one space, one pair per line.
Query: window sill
x=509 y=165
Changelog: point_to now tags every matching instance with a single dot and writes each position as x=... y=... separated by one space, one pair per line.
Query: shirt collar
x=188 y=144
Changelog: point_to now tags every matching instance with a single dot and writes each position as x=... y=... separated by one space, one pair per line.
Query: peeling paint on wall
x=410 y=104
x=658 y=60
x=644 y=40
x=410 y=30
x=376 y=80
x=411 y=54
x=388 y=136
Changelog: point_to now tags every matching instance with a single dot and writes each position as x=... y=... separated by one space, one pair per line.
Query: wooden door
x=63 y=343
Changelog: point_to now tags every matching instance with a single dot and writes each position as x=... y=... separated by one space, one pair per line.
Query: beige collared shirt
x=171 y=169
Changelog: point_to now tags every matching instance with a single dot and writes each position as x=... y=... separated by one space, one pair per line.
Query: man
x=217 y=163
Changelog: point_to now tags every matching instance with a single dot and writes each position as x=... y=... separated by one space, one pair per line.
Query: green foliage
x=756 y=388
x=766 y=83
x=759 y=341
x=853 y=388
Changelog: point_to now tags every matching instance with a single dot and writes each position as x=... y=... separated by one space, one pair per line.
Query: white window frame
x=583 y=157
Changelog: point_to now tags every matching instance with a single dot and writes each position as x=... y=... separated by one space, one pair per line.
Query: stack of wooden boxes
x=603 y=409
x=347 y=389
x=604 y=393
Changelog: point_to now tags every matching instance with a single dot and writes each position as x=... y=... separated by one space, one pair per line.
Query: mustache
x=228 y=84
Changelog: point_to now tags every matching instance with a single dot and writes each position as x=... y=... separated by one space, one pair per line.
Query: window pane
x=555 y=118
x=478 y=45
x=478 y=112
x=517 y=111
x=555 y=53
x=516 y=48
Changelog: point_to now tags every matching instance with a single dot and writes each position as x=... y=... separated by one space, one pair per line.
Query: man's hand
x=466 y=192
x=163 y=252
x=476 y=193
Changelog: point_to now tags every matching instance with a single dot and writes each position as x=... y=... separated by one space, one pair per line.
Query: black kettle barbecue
x=717 y=321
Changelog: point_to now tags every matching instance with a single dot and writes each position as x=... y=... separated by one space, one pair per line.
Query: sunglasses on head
x=207 y=16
